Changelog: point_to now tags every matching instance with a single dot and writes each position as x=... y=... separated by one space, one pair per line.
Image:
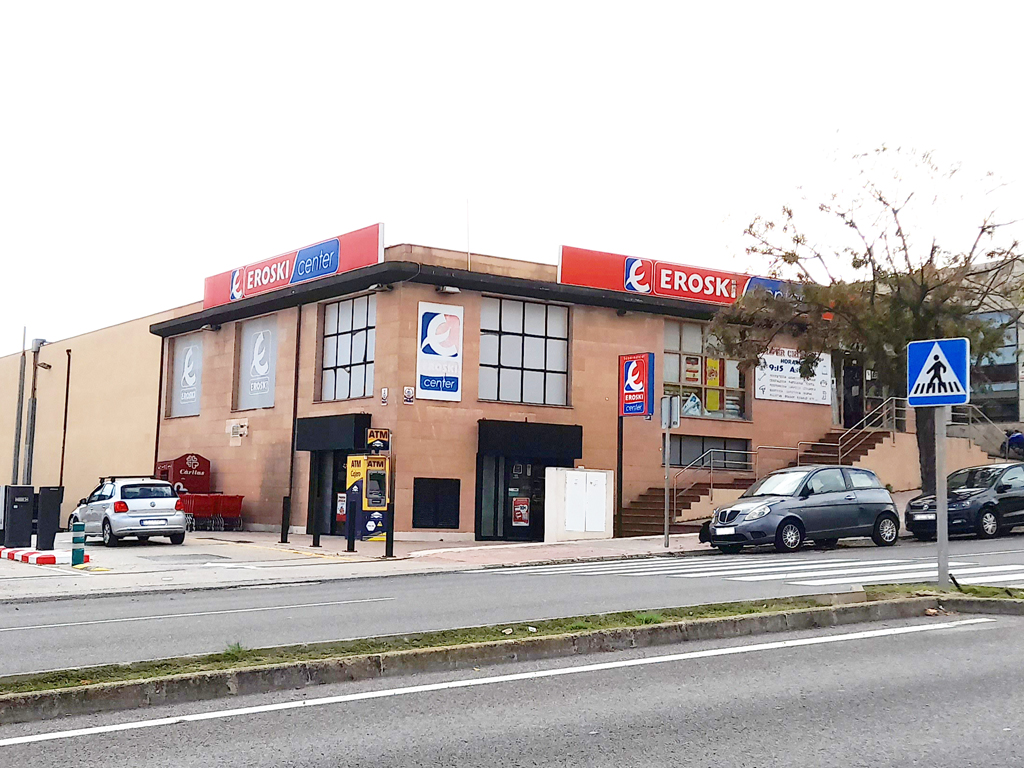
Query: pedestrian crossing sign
x=938 y=372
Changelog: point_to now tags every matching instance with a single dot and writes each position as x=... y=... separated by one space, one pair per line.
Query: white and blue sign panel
x=439 y=357
x=938 y=372
x=636 y=384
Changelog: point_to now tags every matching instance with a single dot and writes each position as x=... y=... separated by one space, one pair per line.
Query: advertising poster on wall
x=186 y=384
x=439 y=356
x=778 y=378
x=521 y=511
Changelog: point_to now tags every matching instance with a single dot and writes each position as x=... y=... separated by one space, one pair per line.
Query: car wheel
x=730 y=549
x=825 y=543
x=177 y=538
x=109 y=539
x=789 y=536
x=987 y=526
x=887 y=530
x=71 y=523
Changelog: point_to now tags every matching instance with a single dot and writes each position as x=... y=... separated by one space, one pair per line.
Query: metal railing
x=889 y=416
x=969 y=421
x=706 y=463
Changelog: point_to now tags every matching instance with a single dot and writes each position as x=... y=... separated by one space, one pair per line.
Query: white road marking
x=881 y=578
x=789 y=574
x=780 y=568
x=474 y=682
x=293 y=606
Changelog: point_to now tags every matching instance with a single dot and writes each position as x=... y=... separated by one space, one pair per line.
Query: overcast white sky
x=144 y=146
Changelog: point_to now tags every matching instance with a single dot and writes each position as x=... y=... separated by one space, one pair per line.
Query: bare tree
x=868 y=282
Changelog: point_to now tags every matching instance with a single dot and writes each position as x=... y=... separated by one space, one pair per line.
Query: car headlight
x=953 y=505
x=757 y=513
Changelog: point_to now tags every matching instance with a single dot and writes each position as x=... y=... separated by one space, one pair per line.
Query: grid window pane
x=341 y=386
x=345 y=349
x=512 y=351
x=344 y=316
x=533 y=319
x=692 y=338
x=510 y=382
x=489 y=312
x=359 y=347
x=671 y=368
x=558 y=322
x=556 y=388
x=331 y=319
x=524 y=352
x=533 y=353
x=331 y=350
x=511 y=316
x=488 y=349
x=671 y=336
x=357 y=381
x=558 y=355
x=347 y=360
x=533 y=386
x=359 y=313
x=488 y=383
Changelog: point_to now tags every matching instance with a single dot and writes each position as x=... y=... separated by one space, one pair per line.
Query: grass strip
x=236 y=656
x=889 y=591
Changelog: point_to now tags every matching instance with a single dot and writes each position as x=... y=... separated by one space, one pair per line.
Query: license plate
x=154 y=522
x=725 y=531
x=929 y=516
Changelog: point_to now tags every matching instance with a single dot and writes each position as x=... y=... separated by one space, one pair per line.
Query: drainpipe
x=286 y=505
x=64 y=433
x=20 y=414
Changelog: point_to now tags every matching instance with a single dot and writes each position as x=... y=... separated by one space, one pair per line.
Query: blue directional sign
x=938 y=372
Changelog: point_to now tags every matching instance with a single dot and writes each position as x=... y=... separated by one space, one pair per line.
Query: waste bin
x=18 y=516
x=48 y=516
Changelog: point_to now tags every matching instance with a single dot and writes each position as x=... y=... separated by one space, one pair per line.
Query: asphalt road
x=942 y=695
x=70 y=633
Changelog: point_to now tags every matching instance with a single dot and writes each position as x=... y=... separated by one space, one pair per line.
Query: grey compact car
x=131 y=506
x=823 y=504
x=985 y=501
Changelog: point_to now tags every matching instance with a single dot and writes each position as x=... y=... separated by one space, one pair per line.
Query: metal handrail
x=889 y=424
x=972 y=412
x=698 y=464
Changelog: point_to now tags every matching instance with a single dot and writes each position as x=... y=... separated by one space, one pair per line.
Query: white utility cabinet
x=578 y=504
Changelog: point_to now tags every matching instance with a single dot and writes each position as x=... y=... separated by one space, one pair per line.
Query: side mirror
x=806 y=492
x=1002 y=488
x=81 y=502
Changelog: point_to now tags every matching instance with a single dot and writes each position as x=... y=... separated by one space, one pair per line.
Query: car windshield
x=977 y=477
x=129 y=492
x=781 y=484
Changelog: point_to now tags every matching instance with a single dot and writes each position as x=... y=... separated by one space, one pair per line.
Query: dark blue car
x=985 y=501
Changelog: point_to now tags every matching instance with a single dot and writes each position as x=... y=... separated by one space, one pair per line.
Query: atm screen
x=376 y=488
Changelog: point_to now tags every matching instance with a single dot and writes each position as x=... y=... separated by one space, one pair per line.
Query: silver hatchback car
x=131 y=506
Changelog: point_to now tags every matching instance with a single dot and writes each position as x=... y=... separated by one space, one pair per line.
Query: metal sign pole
x=941 y=416
x=666 y=488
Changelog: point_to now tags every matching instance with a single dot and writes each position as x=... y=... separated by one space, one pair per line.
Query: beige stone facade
x=435 y=439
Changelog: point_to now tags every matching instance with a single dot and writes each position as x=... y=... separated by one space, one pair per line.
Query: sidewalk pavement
x=212 y=560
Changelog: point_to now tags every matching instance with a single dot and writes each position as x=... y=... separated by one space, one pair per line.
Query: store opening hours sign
x=778 y=378
x=636 y=384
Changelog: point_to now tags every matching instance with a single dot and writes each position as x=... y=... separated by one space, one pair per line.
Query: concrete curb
x=204 y=686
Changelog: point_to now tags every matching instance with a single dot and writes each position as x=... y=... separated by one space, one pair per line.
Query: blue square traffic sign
x=938 y=372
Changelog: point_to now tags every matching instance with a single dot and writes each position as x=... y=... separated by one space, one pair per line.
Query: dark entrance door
x=512 y=503
x=330 y=440
x=511 y=463
x=853 y=393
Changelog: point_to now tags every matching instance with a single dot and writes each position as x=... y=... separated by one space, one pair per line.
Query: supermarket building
x=487 y=371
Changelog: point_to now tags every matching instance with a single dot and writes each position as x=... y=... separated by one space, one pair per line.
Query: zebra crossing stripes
x=856 y=572
x=925 y=572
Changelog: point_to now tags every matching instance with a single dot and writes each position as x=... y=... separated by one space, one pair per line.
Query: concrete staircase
x=645 y=516
x=856 y=446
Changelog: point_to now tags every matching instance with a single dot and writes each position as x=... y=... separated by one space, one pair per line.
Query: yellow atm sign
x=378 y=439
